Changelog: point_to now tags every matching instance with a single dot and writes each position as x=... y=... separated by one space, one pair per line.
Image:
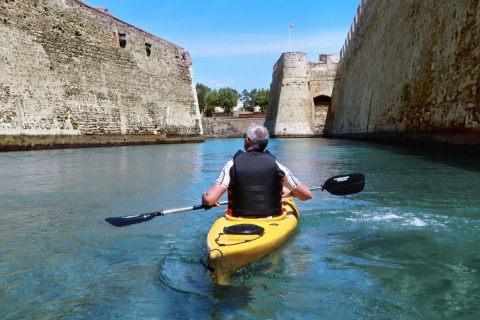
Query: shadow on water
x=189 y=281
x=456 y=158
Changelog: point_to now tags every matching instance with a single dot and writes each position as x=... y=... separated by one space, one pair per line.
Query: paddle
x=142 y=217
x=338 y=185
x=344 y=184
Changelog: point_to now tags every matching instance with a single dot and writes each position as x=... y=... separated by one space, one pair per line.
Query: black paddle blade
x=128 y=220
x=345 y=184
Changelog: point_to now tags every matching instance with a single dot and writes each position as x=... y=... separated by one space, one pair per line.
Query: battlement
x=350 y=40
x=326 y=62
x=290 y=64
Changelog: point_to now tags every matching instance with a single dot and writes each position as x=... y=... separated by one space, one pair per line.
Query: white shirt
x=290 y=181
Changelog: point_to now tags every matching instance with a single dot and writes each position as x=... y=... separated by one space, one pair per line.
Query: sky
x=235 y=44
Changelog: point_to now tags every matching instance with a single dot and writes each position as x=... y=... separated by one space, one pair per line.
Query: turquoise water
x=407 y=247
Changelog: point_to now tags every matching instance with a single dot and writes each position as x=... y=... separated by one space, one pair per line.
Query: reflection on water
x=404 y=248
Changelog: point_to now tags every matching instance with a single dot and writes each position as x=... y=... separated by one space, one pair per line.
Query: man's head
x=256 y=138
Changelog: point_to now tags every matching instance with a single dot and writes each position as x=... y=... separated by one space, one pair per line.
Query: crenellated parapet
x=351 y=36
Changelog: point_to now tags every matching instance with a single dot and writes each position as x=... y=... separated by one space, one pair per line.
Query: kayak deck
x=234 y=242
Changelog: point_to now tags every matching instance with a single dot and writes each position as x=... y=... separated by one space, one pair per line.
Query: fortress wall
x=289 y=111
x=322 y=76
x=410 y=70
x=65 y=72
x=228 y=127
x=274 y=97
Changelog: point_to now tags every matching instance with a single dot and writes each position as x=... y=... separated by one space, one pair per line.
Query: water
x=404 y=248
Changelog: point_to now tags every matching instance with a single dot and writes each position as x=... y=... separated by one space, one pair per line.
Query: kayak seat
x=277 y=218
x=244 y=228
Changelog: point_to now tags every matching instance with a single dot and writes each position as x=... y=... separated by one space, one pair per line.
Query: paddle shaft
x=171 y=211
x=143 y=217
x=338 y=185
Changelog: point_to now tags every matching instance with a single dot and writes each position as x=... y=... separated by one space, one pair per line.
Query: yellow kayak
x=234 y=242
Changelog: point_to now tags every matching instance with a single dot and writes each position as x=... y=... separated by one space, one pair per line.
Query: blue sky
x=236 y=43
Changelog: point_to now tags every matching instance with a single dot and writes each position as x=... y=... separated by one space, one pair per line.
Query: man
x=255 y=181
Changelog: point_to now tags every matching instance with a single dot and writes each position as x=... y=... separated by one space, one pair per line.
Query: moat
x=404 y=248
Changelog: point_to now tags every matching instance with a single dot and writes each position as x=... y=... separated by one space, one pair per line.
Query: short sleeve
x=290 y=181
x=224 y=176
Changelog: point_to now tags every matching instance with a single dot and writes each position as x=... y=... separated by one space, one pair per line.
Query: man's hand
x=211 y=196
x=210 y=207
x=204 y=202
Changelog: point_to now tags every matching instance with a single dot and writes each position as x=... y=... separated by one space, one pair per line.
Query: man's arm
x=213 y=194
x=302 y=192
x=292 y=183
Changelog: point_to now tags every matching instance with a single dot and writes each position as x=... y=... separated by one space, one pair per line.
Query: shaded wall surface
x=69 y=69
x=410 y=70
x=321 y=77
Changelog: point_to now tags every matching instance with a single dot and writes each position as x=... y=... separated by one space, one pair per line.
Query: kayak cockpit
x=234 y=241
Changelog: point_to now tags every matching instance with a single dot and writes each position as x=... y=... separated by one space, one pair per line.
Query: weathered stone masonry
x=289 y=109
x=410 y=71
x=300 y=94
x=69 y=69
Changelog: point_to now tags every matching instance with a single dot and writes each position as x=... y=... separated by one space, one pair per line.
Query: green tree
x=211 y=100
x=209 y=111
x=228 y=99
x=261 y=99
x=247 y=99
x=202 y=91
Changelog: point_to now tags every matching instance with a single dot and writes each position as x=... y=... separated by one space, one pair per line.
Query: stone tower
x=300 y=95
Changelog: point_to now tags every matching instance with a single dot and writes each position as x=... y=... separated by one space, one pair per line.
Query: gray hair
x=258 y=135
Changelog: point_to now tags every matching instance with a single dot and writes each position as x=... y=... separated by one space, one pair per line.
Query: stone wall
x=321 y=77
x=410 y=71
x=289 y=111
x=300 y=94
x=52 y=141
x=228 y=127
x=70 y=69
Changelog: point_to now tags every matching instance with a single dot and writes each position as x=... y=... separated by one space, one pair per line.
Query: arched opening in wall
x=322 y=101
x=321 y=104
x=123 y=40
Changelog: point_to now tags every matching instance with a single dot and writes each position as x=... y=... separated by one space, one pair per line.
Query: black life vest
x=256 y=185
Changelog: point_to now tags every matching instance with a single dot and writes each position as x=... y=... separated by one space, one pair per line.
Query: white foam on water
x=417 y=222
x=389 y=216
x=375 y=217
